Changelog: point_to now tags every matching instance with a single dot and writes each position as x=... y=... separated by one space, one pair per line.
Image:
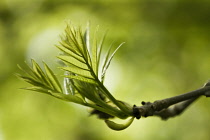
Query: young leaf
x=108 y=60
x=82 y=44
x=53 y=80
x=81 y=81
x=87 y=37
x=31 y=81
x=68 y=51
x=118 y=127
x=38 y=71
x=100 y=49
x=81 y=78
x=70 y=98
x=38 y=89
x=77 y=71
x=94 y=57
x=72 y=61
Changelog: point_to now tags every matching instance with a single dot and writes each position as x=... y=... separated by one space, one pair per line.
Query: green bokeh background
x=167 y=52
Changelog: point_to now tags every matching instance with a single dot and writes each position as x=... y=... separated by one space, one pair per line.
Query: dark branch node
x=170 y=107
x=143 y=102
x=136 y=112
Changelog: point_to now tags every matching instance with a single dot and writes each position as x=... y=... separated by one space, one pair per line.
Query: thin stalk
x=117 y=113
x=150 y=109
x=186 y=96
x=109 y=95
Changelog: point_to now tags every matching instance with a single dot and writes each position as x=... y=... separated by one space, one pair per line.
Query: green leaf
x=108 y=60
x=72 y=61
x=82 y=44
x=77 y=41
x=115 y=126
x=27 y=72
x=94 y=57
x=31 y=81
x=39 y=73
x=38 y=89
x=81 y=78
x=125 y=107
x=87 y=36
x=70 y=98
x=53 y=80
x=69 y=52
x=32 y=73
x=71 y=39
x=77 y=71
x=100 y=49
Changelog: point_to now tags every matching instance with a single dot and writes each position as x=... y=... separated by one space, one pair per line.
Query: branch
x=175 y=110
x=161 y=107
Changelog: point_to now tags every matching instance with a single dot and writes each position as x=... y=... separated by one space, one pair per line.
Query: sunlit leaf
x=30 y=80
x=71 y=40
x=76 y=39
x=99 y=49
x=81 y=78
x=94 y=53
x=40 y=72
x=72 y=61
x=82 y=44
x=87 y=37
x=28 y=72
x=78 y=71
x=68 y=50
x=53 y=80
x=108 y=60
x=69 y=98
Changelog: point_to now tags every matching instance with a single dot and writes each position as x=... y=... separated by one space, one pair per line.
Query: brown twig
x=175 y=110
x=161 y=107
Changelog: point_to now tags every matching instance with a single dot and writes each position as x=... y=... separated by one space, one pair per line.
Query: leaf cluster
x=82 y=81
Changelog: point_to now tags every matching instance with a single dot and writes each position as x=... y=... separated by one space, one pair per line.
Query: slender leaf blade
x=38 y=71
x=68 y=48
x=106 y=58
x=70 y=53
x=81 y=78
x=77 y=71
x=100 y=47
x=37 y=89
x=52 y=78
x=72 y=40
x=87 y=37
x=31 y=81
x=70 y=98
x=72 y=61
x=107 y=61
x=94 y=53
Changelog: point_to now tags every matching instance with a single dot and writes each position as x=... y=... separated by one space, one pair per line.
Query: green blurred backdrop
x=167 y=52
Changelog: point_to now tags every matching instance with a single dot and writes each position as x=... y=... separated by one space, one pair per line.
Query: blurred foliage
x=166 y=53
